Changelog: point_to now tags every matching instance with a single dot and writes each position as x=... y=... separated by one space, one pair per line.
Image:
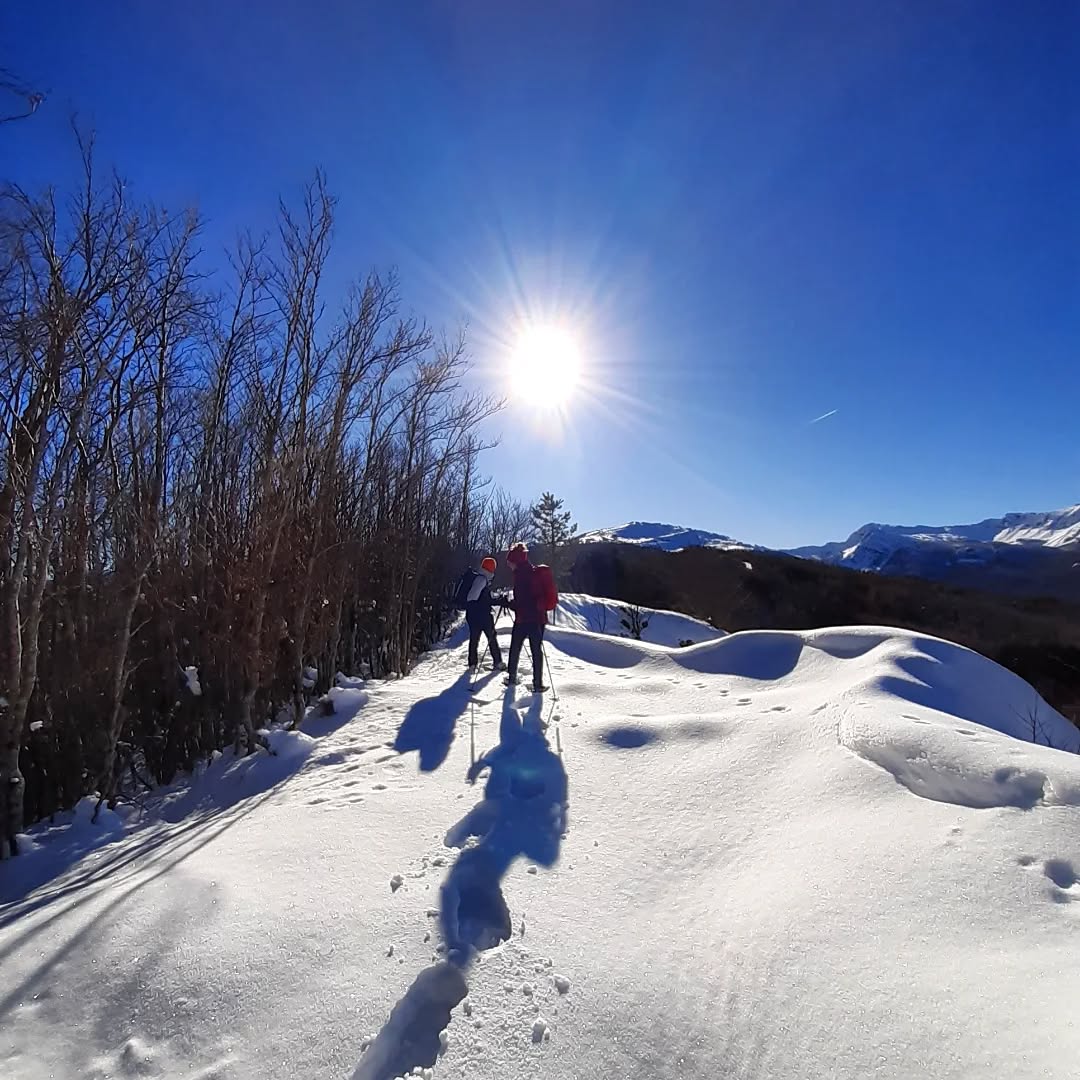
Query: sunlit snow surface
x=824 y=854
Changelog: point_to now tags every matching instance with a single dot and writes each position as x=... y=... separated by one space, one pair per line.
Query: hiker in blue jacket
x=480 y=618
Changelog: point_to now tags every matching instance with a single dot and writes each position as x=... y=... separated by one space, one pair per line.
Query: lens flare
x=545 y=366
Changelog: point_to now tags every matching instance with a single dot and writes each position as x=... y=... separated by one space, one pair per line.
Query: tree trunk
x=12 y=786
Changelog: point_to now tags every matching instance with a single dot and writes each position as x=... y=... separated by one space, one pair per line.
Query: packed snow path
x=823 y=854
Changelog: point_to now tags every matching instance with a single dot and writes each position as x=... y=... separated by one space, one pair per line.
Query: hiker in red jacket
x=532 y=602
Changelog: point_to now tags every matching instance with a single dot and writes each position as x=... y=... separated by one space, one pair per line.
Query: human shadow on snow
x=523 y=814
x=429 y=724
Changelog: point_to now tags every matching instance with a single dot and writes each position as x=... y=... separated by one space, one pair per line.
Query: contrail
x=824 y=416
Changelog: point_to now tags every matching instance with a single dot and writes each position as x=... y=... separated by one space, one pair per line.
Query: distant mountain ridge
x=1019 y=553
x=655 y=534
x=876 y=546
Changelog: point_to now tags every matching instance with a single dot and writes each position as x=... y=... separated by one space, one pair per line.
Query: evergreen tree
x=552 y=525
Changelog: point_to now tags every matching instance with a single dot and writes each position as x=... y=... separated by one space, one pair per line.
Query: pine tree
x=553 y=525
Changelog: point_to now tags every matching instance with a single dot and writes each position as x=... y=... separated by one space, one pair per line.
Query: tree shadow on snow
x=119 y=873
x=523 y=814
x=77 y=852
x=429 y=724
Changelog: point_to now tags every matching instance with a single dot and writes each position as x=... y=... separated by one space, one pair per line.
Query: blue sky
x=753 y=214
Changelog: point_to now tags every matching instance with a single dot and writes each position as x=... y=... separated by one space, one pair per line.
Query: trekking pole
x=476 y=675
x=551 y=681
x=472 y=734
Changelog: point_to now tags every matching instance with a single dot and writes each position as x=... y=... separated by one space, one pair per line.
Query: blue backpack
x=461 y=592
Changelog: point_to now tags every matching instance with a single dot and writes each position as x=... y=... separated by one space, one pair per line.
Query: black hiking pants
x=483 y=623
x=534 y=632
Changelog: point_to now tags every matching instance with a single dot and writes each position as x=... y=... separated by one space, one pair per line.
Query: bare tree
x=634 y=622
x=503 y=521
x=205 y=495
x=11 y=85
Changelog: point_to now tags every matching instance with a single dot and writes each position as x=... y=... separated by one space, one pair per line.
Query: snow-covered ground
x=784 y=855
x=578 y=611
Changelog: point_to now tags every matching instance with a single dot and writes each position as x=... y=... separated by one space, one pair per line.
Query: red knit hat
x=519 y=553
x=489 y=564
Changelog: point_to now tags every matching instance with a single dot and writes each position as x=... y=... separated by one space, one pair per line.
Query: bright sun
x=545 y=366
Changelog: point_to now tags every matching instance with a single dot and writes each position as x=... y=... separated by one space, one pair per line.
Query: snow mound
x=579 y=611
x=838 y=853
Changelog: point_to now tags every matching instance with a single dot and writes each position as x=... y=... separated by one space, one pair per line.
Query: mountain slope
x=803 y=855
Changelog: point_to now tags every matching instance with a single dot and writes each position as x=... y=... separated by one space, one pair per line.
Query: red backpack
x=546 y=592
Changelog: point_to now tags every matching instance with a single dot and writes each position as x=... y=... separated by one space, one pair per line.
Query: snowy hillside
x=576 y=611
x=874 y=546
x=773 y=855
x=657 y=535
x=1055 y=529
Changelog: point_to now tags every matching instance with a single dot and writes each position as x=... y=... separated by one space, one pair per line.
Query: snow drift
x=841 y=853
x=579 y=611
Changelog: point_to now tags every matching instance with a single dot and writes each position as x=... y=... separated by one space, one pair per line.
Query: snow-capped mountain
x=893 y=547
x=655 y=534
x=1022 y=554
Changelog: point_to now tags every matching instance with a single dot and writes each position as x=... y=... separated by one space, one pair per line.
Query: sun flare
x=545 y=366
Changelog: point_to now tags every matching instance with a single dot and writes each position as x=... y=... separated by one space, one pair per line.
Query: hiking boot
x=511 y=680
x=500 y=666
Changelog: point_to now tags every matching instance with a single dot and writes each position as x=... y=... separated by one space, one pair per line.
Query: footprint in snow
x=1061 y=873
x=743 y=701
